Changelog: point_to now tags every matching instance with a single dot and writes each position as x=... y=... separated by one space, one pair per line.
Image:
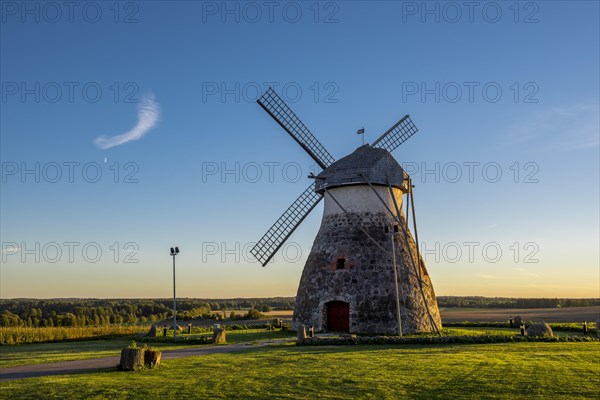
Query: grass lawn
x=493 y=371
x=40 y=353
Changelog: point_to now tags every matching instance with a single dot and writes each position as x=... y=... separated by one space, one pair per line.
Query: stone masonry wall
x=367 y=282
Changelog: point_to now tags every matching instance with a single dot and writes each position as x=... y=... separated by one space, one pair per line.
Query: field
x=494 y=371
x=573 y=314
x=279 y=369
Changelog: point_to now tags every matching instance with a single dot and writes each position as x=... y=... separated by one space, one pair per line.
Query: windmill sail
x=396 y=135
x=276 y=107
x=283 y=228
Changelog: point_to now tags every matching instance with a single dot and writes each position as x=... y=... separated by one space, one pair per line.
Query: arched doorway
x=338 y=316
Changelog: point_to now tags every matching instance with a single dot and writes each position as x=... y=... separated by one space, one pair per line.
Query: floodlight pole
x=174 y=252
x=174 y=302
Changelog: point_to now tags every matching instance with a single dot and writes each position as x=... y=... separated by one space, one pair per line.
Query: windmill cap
x=365 y=164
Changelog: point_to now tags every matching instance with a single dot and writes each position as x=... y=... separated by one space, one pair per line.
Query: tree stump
x=152 y=358
x=219 y=336
x=132 y=359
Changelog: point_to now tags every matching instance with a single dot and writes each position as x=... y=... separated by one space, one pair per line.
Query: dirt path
x=92 y=364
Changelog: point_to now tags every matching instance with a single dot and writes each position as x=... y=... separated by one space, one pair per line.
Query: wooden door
x=338 y=316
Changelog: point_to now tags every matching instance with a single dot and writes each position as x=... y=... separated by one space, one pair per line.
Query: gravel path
x=92 y=364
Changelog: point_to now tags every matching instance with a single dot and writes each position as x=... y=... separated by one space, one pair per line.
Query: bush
x=254 y=314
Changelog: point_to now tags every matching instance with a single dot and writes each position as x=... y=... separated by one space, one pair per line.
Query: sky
x=127 y=128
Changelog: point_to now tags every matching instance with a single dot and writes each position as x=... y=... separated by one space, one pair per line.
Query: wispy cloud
x=484 y=276
x=148 y=114
x=560 y=128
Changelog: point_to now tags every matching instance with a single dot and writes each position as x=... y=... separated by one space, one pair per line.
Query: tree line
x=512 y=302
x=100 y=312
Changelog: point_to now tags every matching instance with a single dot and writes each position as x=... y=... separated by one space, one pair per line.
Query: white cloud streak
x=148 y=115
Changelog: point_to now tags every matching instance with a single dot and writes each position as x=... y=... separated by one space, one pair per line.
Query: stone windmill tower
x=364 y=273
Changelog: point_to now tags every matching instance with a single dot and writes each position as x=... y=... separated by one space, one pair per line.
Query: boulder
x=540 y=329
x=598 y=327
x=219 y=336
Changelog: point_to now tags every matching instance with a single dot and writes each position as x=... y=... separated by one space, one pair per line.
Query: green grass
x=253 y=335
x=40 y=353
x=491 y=371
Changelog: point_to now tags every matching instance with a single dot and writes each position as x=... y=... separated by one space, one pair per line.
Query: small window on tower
x=395 y=228
x=341 y=263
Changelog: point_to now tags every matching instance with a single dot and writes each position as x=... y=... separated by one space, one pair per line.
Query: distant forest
x=97 y=312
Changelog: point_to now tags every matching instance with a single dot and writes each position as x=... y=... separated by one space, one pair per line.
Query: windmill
x=364 y=273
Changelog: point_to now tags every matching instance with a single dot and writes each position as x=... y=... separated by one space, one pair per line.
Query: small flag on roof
x=360 y=131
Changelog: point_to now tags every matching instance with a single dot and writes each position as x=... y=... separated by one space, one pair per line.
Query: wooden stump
x=132 y=359
x=152 y=358
x=219 y=336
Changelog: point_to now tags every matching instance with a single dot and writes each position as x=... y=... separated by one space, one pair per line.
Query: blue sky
x=514 y=92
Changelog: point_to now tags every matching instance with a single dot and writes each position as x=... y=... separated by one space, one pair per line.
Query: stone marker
x=219 y=336
x=518 y=320
x=540 y=329
x=301 y=333
x=152 y=332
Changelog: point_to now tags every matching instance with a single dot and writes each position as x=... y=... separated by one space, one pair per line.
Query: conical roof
x=365 y=164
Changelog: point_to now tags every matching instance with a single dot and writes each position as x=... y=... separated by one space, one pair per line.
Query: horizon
x=270 y=297
x=139 y=131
